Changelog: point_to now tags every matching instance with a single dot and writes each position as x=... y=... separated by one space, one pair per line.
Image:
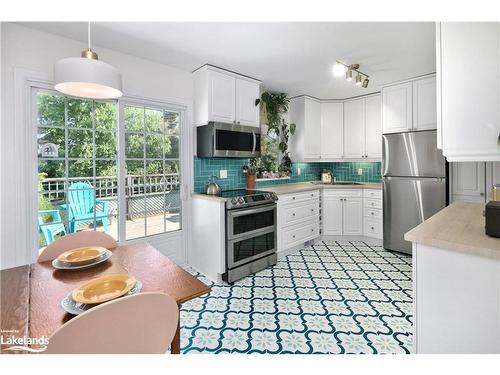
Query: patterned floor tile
x=333 y=297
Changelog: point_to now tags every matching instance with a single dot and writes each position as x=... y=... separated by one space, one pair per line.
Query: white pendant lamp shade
x=87 y=78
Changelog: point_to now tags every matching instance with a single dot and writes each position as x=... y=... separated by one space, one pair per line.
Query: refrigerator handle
x=385 y=155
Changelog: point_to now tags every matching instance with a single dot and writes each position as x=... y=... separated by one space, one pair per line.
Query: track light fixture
x=339 y=69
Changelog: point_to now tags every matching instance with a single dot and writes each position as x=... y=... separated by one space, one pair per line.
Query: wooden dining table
x=31 y=295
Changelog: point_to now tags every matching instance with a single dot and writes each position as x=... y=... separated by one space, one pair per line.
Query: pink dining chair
x=74 y=240
x=143 y=323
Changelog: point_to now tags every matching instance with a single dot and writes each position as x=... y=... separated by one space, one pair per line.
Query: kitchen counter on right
x=456 y=283
x=458 y=227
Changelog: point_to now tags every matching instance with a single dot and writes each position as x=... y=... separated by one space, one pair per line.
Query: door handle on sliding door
x=254 y=142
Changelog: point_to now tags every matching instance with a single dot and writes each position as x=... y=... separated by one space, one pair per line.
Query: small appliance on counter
x=213 y=187
x=495 y=192
x=492 y=218
x=327 y=177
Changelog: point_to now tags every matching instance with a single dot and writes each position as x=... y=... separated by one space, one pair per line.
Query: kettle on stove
x=213 y=187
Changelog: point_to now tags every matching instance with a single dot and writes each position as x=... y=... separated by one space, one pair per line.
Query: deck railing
x=107 y=186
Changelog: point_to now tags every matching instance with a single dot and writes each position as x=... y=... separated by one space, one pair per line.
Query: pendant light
x=87 y=77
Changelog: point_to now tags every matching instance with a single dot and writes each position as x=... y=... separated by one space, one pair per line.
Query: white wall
x=30 y=49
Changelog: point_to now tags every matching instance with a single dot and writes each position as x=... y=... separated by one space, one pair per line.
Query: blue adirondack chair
x=81 y=208
x=49 y=230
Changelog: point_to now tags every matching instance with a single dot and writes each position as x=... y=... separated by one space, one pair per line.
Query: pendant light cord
x=88 y=33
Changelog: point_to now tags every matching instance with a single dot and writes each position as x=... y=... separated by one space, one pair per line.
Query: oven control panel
x=251 y=200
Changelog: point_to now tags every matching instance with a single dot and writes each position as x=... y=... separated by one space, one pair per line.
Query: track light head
x=359 y=80
x=365 y=83
x=348 y=74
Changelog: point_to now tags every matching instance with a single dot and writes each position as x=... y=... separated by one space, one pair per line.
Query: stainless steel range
x=251 y=238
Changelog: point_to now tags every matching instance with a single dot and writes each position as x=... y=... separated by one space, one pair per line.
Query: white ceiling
x=295 y=58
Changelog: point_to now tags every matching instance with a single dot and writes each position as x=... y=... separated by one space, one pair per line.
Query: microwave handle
x=254 y=142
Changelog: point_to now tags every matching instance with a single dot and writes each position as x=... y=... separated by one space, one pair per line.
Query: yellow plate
x=82 y=255
x=104 y=288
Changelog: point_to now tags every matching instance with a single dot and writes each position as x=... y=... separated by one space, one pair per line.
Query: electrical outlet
x=223 y=173
x=298 y=171
x=360 y=171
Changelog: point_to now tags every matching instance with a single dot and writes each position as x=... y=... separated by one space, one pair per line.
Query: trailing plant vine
x=275 y=106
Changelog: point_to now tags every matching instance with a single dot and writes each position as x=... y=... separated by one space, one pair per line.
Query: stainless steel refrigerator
x=414 y=184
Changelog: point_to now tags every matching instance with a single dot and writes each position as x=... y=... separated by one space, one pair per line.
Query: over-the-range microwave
x=218 y=139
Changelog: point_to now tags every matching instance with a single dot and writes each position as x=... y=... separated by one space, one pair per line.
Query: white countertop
x=458 y=227
x=295 y=188
x=307 y=186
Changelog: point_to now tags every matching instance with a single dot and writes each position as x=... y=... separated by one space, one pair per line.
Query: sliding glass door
x=108 y=166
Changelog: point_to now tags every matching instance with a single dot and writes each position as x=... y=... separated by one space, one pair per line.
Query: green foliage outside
x=82 y=116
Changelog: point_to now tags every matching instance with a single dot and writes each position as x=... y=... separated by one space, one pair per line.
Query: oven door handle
x=250 y=211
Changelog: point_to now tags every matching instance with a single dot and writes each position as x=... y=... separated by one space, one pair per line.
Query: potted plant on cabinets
x=275 y=106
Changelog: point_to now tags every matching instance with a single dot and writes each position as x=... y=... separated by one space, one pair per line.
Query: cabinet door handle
x=373 y=213
x=293 y=198
x=312 y=229
x=312 y=209
x=373 y=228
x=293 y=214
x=293 y=236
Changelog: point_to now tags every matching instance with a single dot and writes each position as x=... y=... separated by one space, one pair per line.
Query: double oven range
x=251 y=238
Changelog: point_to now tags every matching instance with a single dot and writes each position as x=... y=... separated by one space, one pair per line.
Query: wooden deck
x=155 y=225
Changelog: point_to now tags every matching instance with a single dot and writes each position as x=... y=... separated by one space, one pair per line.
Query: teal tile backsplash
x=344 y=171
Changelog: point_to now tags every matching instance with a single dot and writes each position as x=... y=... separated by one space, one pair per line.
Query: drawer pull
x=293 y=214
x=373 y=228
x=312 y=209
x=373 y=213
x=293 y=236
x=293 y=198
x=373 y=204
x=312 y=229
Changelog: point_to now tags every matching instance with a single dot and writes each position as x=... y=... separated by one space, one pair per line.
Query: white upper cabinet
x=373 y=127
x=424 y=104
x=354 y=129
x=332 y=130
x=221 y=97
x=410 y=106
x=468 y=69
x=397 y=108
x=247 y=113
x=225 y=97
x=313 y=129
x=336 y=130
x=305 y=144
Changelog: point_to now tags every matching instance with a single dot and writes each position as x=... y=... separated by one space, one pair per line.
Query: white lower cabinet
x=298 y=218
x=372 y=213
x=468 y=182
x=342 y=212
x=332 y=216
